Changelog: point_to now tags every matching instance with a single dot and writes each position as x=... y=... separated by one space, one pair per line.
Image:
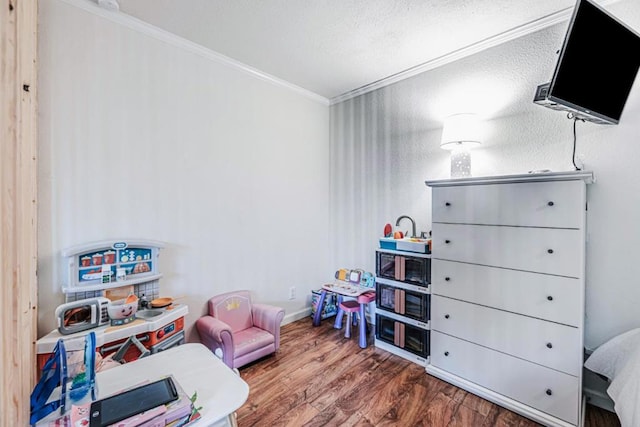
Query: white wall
x=144 y=138
x=385 y=144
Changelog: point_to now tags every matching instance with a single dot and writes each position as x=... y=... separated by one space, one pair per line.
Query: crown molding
x=135 y=24
x=182 y=43
x=506 y=36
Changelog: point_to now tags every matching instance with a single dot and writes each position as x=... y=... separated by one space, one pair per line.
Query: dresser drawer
x=542 y=250
x=546 y=343
x=554 y=298
x=540 y=204
x=550 y=391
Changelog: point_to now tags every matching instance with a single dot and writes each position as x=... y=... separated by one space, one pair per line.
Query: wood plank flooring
x=320 y=378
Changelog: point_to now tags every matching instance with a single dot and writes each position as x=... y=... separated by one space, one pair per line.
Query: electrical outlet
x=292 y=292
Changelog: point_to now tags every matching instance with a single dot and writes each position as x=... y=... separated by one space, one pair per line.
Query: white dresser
x=507 y=284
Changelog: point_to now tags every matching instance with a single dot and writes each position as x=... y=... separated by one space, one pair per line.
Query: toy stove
x=140 y=345
x=118 y=322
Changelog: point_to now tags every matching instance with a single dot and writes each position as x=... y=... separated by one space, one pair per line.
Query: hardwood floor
x=320 y=378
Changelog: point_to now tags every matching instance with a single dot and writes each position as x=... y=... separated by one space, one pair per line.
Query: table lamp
x=460 y=133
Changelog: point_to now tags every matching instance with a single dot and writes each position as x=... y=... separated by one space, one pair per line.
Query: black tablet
x=123 y=405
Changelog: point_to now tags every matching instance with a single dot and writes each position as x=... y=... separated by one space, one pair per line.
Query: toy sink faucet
x=413 y=224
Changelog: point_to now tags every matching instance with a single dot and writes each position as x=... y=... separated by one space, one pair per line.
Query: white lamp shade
x=460 y=131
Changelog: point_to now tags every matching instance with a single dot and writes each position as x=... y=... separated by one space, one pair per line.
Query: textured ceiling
x=332 y=47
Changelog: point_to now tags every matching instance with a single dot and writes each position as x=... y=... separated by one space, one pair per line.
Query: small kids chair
x=356 y=307
x=241 y=329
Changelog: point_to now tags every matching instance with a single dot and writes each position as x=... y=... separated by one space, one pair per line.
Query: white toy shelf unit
x=97 y=267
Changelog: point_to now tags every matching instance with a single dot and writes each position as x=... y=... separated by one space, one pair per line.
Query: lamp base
x=460 y=163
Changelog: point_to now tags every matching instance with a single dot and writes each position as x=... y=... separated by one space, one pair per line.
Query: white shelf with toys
x=111 y=264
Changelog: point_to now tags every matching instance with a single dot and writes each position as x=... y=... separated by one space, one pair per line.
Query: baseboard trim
x=292 y=317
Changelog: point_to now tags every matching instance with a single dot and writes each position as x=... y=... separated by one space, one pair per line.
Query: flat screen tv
x=597 y=66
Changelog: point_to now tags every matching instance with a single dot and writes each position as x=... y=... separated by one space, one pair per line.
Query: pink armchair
x=243 y=331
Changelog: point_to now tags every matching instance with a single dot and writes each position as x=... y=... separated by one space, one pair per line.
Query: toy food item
x=141 y=267
x=387 y=230
x=109 y=257
x=398 y=235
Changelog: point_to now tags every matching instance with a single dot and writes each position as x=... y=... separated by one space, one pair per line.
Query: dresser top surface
x=586 y=176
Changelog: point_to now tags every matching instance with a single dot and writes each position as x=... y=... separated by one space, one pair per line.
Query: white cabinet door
x=537 y=204
x=545 y=389
x=554 y=298
x=543 y=250
x=546 y=343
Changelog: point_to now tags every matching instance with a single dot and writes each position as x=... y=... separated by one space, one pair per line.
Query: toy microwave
x=81 y=315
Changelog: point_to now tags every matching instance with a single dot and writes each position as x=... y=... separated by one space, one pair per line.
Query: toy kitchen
x=113 y=290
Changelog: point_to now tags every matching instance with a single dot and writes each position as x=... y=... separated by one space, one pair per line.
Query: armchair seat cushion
x=250 y=340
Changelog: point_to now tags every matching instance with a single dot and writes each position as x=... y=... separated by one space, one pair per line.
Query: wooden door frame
x=18 y=213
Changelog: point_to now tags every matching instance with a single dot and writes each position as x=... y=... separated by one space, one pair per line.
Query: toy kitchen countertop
x=106 y=334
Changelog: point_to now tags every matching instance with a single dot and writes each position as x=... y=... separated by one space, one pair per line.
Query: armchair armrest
x=268 y=317
x=215 y=334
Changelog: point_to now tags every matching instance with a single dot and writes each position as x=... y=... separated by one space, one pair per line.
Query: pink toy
x=358 y=307
x=242 y=330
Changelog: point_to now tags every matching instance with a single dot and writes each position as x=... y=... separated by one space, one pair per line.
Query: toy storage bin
x=404 y=335
x=329 y=306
